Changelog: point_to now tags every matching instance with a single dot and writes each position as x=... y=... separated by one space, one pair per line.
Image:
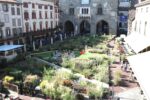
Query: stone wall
x=109 y=15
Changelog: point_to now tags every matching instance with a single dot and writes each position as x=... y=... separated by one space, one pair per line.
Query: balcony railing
x=84 y=15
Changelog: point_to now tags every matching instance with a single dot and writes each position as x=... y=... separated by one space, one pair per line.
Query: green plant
x=8 y=79
x=31 y=80
x=117 y=78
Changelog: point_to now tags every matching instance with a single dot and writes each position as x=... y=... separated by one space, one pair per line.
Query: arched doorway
x=102 y=27
x=69 y=27
x=85 y=27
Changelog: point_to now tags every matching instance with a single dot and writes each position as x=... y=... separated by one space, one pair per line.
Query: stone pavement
x=131 y=94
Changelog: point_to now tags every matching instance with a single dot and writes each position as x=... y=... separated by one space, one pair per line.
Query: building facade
x=27 y=21
x=139 y=37
x=141 y=23
x=11 y=17
x=88 y=16
x=38 y=15
x=123 y=13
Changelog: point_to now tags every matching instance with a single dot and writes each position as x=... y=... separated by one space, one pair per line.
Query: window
x=51 y=7
x=46 y=15
x=18 y=11
x=19 y=30
x=135 y=26
x=145 y=28
x=27 y=27
x=40 y=14
x=34 y=26
x=51 y=24
x=14 y=30
x=40 y=6
x=85 y=11
x=141 y=9
x=100 y=10
x=41 y=26
x=26 y=15
x=8 y=32
x=71 y=11
x=14 y=22
x=6 y=18
x=5 y=7
x=85 y=1
x=19 y=22
x=13 y=11
x=140 y=27
x=33 y=15
x=1 y=33
x=45 y=6
x=33 y=5
x=25 y=5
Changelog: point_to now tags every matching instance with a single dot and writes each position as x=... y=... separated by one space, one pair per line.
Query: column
x=33 y=45
x=61 y=37
x=41 y=43
x=65 y=36
x=52 y=40
x=25 y=49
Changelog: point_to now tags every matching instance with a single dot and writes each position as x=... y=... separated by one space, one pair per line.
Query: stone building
x=11 y=17
x=89 y=16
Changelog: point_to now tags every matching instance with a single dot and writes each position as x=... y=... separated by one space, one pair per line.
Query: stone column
x=25 y=49
x=52 y=40
x=61 y=37
x=65 y=36
x=41 y=43
x=76 y=30
x=34 y=46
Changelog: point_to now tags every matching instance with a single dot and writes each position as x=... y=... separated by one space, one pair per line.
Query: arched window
x=99 y=9
x=33 y=15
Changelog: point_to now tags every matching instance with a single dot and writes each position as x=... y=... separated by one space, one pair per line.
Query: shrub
x=117 y=78
x=31 y=80
x=8 y=79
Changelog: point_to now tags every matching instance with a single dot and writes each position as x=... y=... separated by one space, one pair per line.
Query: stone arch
x=68 y=27
x=85 y=27
x=102 y=27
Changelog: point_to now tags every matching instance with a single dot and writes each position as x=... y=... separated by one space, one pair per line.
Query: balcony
x=84 y=15
x=1 y=24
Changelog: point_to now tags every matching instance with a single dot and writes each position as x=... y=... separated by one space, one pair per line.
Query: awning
x=137 y=42
x=9 y=47
x=140 y=65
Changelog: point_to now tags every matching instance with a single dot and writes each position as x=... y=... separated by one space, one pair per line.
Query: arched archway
x=68 y=27
x=85 y=27
x=102 y=27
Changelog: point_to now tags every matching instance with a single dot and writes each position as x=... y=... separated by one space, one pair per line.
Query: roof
x=137 y=42
x=9 y=47
x=140 y=65
x=10 y=1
